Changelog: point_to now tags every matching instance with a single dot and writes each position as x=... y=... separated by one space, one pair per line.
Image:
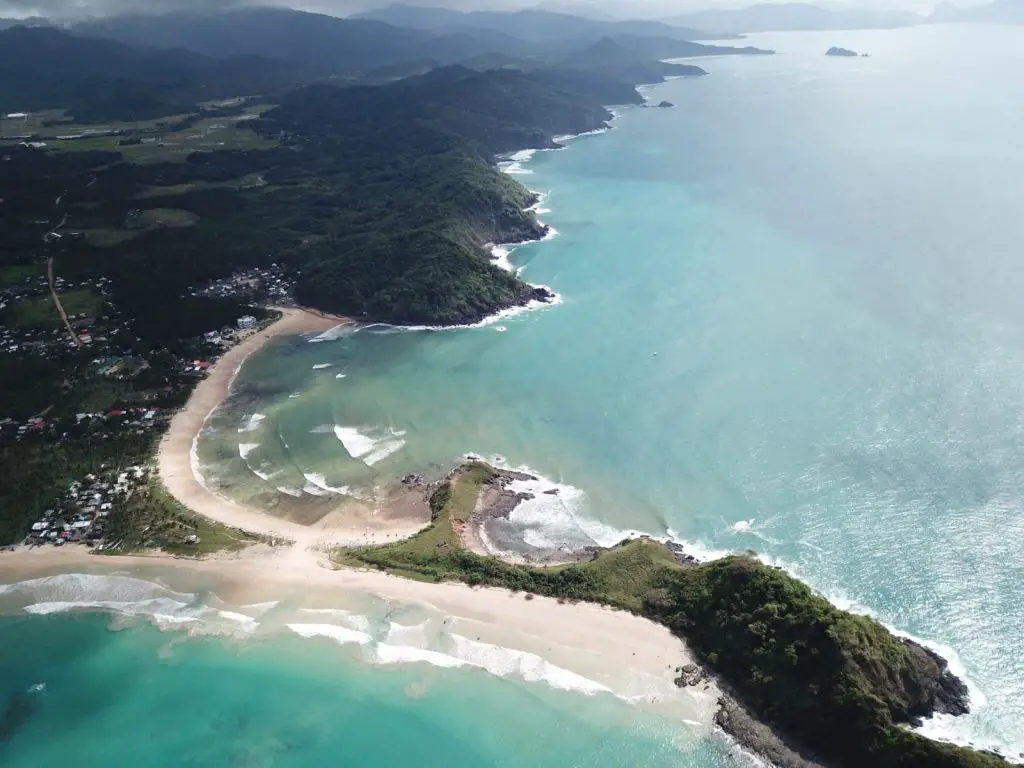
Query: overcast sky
x=643 y=8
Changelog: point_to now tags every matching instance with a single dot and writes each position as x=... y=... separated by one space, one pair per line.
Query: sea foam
x=253 y=423
x=332 y=334
x=507 y=662
x=341 y=635
x=369 y=446
x=127 y=597
x=244 y=449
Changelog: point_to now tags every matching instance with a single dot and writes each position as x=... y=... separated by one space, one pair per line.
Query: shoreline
x=626 y=655
x=261 y=571
x=175 y=455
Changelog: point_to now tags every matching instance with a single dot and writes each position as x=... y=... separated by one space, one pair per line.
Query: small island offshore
x=844 y=52
x=147 y=261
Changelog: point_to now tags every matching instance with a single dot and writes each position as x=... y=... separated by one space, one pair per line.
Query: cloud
x=63 y=9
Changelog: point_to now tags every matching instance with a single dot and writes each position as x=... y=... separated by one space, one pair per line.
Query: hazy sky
x=641 y=8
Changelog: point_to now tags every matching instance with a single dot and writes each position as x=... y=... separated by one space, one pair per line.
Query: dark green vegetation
x=378 y=199
x=374 y=201
x=139 y=68
x=392 y=36
x=40 y=312
x=152 y=518
x=103 y=80
x=838 y=685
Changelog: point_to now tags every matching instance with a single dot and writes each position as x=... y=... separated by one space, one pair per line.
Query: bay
x=790 y=323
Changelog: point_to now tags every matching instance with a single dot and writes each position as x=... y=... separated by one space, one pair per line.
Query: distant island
x=841 y=52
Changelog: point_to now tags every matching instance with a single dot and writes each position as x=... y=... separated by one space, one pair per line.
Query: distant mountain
x=42 y=67
x=536 y=26
x=770 y=17
x=665 y=48
x=610 y=58
x=34 y=21
x=998 y=12
x=365 y=46
x=325 y=43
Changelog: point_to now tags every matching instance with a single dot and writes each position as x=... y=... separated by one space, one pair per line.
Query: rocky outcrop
x=737 y=721
x=840 y=52
x=930 y=688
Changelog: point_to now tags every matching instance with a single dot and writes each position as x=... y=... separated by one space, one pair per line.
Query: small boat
x=501 y=329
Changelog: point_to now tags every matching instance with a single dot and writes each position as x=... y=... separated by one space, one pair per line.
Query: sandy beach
x=359 y=525
x=629 y=656
x=632 y=657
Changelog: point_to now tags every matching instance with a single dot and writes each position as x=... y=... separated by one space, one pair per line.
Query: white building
x=246 y=322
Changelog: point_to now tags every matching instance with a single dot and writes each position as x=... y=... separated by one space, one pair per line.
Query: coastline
x=176 y=454
x=264 y=571
x=618 y=652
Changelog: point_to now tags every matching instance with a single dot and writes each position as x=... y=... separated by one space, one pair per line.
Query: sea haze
x=791 y=323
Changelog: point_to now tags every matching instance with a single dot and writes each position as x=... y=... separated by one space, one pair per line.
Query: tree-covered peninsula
x=839 y=689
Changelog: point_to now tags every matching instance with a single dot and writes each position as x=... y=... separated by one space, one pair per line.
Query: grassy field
x=162 y=143
x=108 y=236
x=153 y=519
x=621 y=577
x=155 y=218
x=17 y=273
x=242 y=182
x=39 y=312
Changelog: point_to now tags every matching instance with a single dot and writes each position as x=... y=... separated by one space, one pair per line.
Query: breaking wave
x=332 y=334
x=370 y=446
x=253 y=423
x=126 y=597
x=244 y=449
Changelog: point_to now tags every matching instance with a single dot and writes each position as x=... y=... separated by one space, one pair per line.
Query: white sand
x=174 y=457
x=622 y=652
x=633 y=657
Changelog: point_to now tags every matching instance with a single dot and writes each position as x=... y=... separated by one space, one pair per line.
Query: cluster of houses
x=139 y=419
x=81 y=515
x=260 y=284
x=41 y=341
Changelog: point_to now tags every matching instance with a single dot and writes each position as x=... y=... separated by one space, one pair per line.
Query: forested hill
x=311 y=40
x=356 y=46
x=412 y=195
x=498 y=110
x=377 y=201
x=42 y=68
x=533 y=24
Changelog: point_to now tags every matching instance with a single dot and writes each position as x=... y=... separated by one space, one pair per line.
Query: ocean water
x=790 y=322
x=114 y=670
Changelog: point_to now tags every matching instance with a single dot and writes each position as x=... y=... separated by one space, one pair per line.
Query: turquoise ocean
x=790 y=321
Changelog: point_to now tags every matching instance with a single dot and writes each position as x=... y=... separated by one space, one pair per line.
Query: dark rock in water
x=680 y=554
x=552 y=492
x=538 y=293
x=19 y=709
x=666 y=105
x=412 y=479
x=840 y=52
x=949 y=693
